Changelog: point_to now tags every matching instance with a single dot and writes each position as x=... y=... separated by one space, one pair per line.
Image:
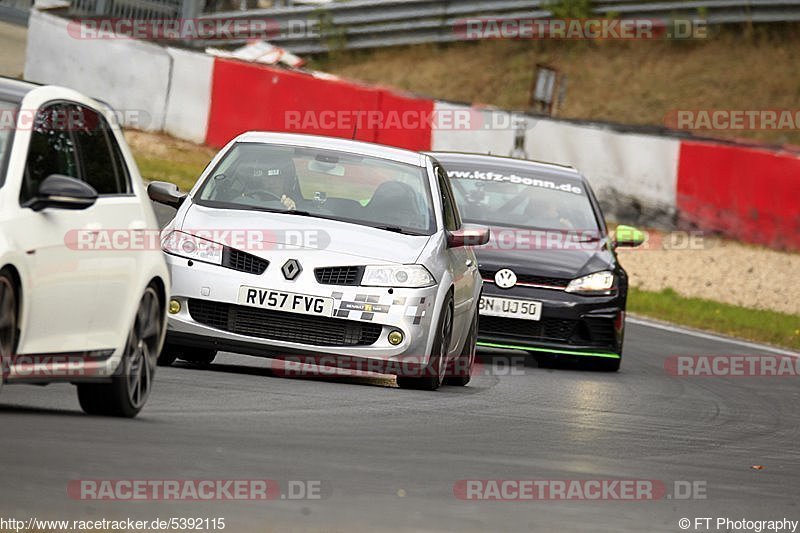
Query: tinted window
x=98 y=151
x=51 y=150
x=8 y=117
x=451 y=219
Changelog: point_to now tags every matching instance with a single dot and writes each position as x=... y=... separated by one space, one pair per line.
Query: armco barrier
x=247 y=96
x=747 y=193
x=132 y=76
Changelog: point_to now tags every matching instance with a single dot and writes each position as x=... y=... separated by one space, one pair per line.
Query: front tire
x=8 y=323
x=198 y=356
x=433 y=373
x=459 y=373
x=131 y=385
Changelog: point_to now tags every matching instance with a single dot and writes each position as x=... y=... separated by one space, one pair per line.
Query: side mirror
x=62 y=192
x=166 y=193
x=629 y=236
x=468 y=235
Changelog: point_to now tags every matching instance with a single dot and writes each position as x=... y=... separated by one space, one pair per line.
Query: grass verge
x=771 y=327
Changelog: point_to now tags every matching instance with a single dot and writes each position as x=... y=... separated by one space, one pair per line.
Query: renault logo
x=291 y=269
x=505 y=278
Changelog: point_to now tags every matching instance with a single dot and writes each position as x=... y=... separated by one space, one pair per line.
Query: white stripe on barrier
x=641 y=166
x=189 y=99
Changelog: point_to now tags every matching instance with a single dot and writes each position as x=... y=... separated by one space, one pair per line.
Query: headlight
x=397 y=276
x=192 y=247
x=597 y=283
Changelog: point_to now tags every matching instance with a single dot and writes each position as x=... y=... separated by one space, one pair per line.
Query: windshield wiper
x=395 y=229
x=298 y=213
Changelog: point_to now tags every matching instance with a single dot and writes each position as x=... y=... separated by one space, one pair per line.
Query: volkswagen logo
x=291 y=269
x=505 y=278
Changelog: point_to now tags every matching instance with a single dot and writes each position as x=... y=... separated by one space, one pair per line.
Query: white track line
x=710 y=336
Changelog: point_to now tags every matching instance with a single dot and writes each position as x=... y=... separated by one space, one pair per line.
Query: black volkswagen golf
x=552 y=283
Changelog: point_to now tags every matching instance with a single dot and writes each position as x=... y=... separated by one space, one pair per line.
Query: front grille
x=525 y=278
x=243 y=262
x=338 y=275
x=590 y=331
x=282 y=326
x=546 y=329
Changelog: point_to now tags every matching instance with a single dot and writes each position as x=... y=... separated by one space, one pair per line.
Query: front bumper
x=246 y=329
x=570 y=324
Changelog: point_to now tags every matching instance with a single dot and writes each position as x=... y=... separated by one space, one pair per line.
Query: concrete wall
x=634 y=175
x=189 y=95
x=131 y=76
x=486 y=132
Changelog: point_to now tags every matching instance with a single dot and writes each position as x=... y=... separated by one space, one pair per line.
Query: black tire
x=8 y=322
x=201 y=357
x=433 y=375
x=130 y=386
x=168 y=354
x=459 y=373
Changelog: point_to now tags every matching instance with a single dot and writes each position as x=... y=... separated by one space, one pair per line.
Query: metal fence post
x=192 y=8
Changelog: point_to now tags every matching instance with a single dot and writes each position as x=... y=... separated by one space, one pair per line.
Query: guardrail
x=138 y=9
x=377 y=23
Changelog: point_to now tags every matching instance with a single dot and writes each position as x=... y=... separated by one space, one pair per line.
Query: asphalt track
x=388 y=458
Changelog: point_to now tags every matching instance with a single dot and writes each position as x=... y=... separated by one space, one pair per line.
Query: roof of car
x=539 y=167
x=332 y=143
x=14 y=90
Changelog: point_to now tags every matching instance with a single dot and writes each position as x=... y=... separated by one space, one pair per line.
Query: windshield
x=327 y=184
x=510 y=197
x=8 y=122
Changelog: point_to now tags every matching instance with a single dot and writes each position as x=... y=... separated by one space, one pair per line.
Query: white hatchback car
x=70 y=309
x=327 y=251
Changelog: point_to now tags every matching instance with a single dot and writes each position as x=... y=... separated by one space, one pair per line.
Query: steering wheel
x=262 y=195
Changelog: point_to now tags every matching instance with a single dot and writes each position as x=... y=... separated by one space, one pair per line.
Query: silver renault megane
x=349 y=253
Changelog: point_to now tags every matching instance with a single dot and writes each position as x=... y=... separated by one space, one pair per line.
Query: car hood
x=548 y=262
x=355 y=243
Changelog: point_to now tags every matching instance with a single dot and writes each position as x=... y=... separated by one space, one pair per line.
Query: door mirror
x=468 y=235
x=62 y=192
x=166 y=193
x=629 y=236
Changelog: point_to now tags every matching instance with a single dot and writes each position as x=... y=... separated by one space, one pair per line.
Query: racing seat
x=393 y=203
